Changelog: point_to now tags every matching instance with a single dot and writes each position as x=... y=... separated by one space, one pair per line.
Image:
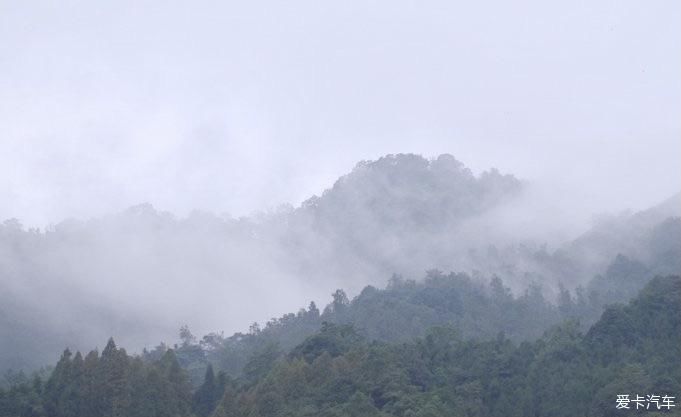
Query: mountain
x=138 y=274
x=632 y=349
x=337 y=370
x=649 y=235
x=399 y=214
x=142 y=273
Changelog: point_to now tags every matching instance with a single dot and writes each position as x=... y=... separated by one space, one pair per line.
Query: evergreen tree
x=178 y=384
x=208 y=394
x=112 y=381
x=57 y=386
x=313 y=311
x=91 y=403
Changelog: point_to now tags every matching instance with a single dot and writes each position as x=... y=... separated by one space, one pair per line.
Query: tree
x=359 y=405
x=186 y=336
x=178 y=384
x=313 y=311
x=113 y=383
x=340 y=302
x=57 y=386
x=209 y=393
x=91 y=401
x=261 y=363
x=254 y=329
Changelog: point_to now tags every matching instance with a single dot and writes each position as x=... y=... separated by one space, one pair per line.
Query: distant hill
x=632 y=349
x=399 y=214
x=140 y=274
x=632 y=235
x=404 y=192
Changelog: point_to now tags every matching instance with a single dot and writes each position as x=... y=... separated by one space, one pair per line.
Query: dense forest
x=406 y=309
x=340 y=370
x=141 y=273
x=340 y=208
x=522 y=328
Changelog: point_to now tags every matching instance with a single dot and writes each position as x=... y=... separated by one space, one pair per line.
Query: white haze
x=238 y=107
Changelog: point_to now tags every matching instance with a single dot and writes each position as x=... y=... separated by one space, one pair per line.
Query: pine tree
x=90 y=400
x=113 y=390
x=313 y=311
x=178 y=384
x=72 y=396
x=206 y=396
x=57 y=385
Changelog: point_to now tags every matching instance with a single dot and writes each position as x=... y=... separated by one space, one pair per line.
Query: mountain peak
x=408 y=189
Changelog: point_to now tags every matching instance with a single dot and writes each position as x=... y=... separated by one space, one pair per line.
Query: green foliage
x=448 y=362
x=113 y=384
x=332 y=339
x=261 y=363
x=406 y=309
x=563 y=373
x=209 y=393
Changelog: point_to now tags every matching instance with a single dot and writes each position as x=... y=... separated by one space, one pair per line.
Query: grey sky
x=238 y=106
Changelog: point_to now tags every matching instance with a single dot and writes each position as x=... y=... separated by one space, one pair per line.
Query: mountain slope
x=630 y=235
x=337 y=372
x=142 y=273
x=399 y=214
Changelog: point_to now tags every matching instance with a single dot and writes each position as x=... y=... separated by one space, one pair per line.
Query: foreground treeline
x=633 y=349
x=110 y=384
x=479 y=309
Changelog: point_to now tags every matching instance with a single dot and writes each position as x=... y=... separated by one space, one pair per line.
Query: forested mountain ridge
x=405 y=309
x=137 y=274
x=564 y=373
x=648 y=235
x=408 y=191
x=338 y=371
x=398 y=214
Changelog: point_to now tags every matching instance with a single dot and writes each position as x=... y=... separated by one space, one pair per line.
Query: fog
x=223 y=118
x=233 y=107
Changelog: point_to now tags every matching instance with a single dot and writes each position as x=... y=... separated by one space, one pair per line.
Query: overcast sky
x=237 y=106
